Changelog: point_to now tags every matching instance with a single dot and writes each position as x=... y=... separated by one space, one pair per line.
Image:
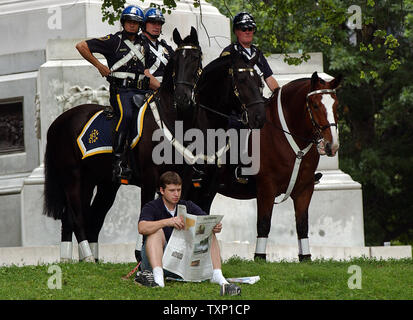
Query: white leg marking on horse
x=261 y=245
x=66 y=249
x=303 y=246
x=328 y=103
x=84 y=250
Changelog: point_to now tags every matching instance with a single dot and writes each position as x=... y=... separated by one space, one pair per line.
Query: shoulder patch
x=105 y=38
x=225 y=53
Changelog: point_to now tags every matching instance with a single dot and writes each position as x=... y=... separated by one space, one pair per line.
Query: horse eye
x=315 y=106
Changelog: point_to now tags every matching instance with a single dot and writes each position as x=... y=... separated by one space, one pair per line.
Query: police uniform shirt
x=113 y=48
x=151 y=58
x=262 y=63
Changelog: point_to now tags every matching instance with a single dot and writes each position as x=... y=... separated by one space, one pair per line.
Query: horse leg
x=73 y=192
x=301 y=205
x=103 y=201
x=265 y=203
x=66 y=245
x=147 y=194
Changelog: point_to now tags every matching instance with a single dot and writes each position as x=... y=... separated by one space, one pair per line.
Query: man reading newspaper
x=156 y=223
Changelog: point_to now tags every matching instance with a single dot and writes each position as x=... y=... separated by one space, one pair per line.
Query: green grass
x=319 y=280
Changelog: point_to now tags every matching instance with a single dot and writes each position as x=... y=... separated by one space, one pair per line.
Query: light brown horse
x=301 y=124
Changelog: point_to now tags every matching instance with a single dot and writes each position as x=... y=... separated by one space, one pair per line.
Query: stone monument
x=41 y=68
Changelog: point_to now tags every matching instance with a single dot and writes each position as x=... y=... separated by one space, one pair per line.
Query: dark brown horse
x=70 y=180
x=301 y=124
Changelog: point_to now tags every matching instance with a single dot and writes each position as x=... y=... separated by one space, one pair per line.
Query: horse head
x=322 y=106
x=247 y=87
x=187 y=68
x=229 y=86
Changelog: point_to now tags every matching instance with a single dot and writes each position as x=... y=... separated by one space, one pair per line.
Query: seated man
x=156 y=223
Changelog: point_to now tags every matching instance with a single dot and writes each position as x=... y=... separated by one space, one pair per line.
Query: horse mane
x=306 y=79
x=210 y=69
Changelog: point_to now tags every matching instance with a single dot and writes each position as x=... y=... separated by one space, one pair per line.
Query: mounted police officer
x=125 y=56
x=244 y=27
x=157 y=52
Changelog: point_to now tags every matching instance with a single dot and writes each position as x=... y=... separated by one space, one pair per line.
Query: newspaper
x=249 y=280
x=187 y=253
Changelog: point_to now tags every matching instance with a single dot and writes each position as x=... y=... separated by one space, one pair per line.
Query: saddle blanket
x=96 y=136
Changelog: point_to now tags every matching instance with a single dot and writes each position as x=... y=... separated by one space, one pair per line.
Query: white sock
x=158 y=276
x=217 y=277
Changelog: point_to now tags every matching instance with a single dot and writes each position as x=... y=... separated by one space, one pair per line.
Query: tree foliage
x=376 y=113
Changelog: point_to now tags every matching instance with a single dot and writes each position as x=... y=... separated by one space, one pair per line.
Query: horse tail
x=54 y=196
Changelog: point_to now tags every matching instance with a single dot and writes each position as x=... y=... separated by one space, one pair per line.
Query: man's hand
x=85 y=52
x=103 y=70
x=154 y=84
x=217 y=228
x=176 y=222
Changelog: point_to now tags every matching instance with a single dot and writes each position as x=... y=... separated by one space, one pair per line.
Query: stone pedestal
x=66 y=80
x=44 y=62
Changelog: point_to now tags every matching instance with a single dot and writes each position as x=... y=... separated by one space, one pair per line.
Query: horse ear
x=335 y=83
x=177 y=37
x=194 y=35
x=314 y=80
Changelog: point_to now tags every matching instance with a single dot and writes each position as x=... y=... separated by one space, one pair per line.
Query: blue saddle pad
x=96 y=136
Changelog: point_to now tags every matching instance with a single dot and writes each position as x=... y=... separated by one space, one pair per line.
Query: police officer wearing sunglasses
x=244 y=27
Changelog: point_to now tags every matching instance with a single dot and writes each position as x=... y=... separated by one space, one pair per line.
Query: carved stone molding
x=77 y=95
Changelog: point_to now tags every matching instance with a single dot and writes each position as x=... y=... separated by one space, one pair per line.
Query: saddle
x=97 y=134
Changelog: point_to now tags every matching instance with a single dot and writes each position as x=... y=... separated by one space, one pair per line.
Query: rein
x=244 y=115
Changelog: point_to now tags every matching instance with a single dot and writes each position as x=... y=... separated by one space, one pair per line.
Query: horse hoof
x=260 y=256
x=304 y=257
x=89 y=259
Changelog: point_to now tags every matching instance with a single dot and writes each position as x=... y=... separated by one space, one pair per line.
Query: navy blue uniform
x=126 y=79
x=262 y=64
x=155 y=210
x=156 y=65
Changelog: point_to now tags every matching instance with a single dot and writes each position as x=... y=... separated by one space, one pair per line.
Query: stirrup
x=197 y=177
x=240 y=178
x=121 y=174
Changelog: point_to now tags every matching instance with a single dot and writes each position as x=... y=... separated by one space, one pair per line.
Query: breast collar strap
x=299 y=154
x=216 y=158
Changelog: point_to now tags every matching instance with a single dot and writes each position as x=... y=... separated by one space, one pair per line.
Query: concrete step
x=125 y=253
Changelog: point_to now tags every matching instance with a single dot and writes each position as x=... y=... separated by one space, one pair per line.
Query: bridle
x=318 y=137
x=244 y=107
x=315 y=124
x=198 y=71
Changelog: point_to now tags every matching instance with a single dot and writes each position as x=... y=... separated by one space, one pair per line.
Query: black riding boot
x=121 y=173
